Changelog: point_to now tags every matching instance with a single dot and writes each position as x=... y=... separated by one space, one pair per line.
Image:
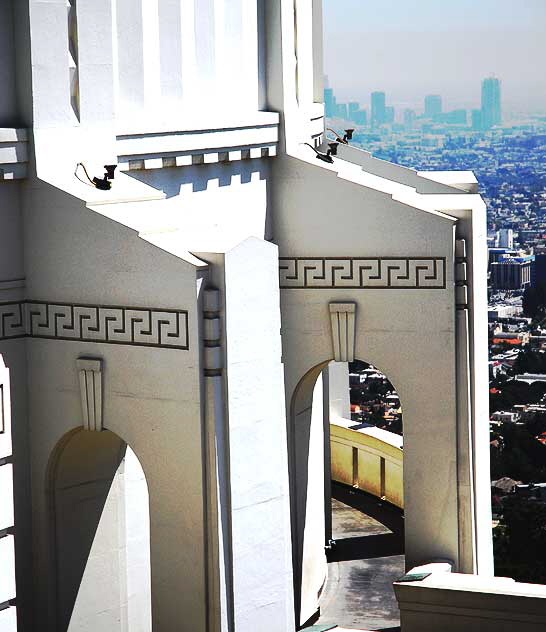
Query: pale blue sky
x=410 y=48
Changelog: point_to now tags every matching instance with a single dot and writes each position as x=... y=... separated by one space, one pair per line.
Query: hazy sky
x=410 y=48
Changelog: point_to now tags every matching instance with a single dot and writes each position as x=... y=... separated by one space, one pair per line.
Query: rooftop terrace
x=362 y=565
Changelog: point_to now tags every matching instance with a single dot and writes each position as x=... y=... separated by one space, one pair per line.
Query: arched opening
x=100 y=535
x=347 y=496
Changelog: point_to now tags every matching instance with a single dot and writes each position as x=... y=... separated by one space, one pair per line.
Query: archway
x=100 y=535
x=346 y=457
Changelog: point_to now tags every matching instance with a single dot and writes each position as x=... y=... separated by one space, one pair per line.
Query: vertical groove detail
x=73 y=57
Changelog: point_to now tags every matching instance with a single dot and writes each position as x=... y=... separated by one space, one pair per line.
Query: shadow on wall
x=173 y=181
x=9 y=116
x=369 y=545
x=100 y=535
x=303 y=412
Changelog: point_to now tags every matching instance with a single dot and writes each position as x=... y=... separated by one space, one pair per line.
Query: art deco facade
x=162 y=338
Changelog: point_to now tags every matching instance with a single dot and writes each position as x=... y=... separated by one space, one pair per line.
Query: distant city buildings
x=329 y=103
x=360 y=117
x=491 y=103
x=540 y=270
x=510 y=165
x=512 y=271
x=505 y=238
x=509 y=162
x=346 y=111
x=455 y=117
x=476 y=118
x=433 y=105
x=432 y=117
x=409 y=118
x=356 y=115
x=378 y=109
x=343 y=111
x=389 y=115
x=353 y=108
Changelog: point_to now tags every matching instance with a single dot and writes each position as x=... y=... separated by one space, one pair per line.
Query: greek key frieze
x=137 y=326
x=12 y=320
x=379 y=273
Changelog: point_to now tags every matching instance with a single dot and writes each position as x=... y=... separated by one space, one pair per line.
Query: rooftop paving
x=366 y=559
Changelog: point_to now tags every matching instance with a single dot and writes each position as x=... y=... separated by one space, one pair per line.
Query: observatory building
x=166 y=327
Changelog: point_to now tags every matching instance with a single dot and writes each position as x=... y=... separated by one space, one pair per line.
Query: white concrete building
x=505 y=238
x=162 y=338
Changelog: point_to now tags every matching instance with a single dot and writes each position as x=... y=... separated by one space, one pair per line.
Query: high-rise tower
x=491 y=102
x=378 y=109
x=433 y=105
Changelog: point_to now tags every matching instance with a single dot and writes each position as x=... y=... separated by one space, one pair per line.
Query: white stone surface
x=453 y=601
x=315 y=569
x=6 y=494
x=8 y=620
x=262 y=570
x=7 y=568
x=6 y=449
x=338 y=382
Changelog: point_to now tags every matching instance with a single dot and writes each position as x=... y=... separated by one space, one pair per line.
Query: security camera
x=347 y=136
x=110 y=171
x=327 y=157
x=104 y=183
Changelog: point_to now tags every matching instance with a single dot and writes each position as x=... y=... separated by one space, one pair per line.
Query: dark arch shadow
x=82 y=471
x=374 y=545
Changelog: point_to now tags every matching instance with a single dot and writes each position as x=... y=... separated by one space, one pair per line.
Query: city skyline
x=419 y=105
x=450 y=48
x=488 y=115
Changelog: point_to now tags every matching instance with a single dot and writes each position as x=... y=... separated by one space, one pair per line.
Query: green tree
x=520 y=541
x=530 y=361
x=534 y=302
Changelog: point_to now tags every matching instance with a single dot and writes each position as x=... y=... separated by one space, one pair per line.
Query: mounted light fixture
x=327 y=157
x=347 y=136
x=109 y=171
x=104 y=183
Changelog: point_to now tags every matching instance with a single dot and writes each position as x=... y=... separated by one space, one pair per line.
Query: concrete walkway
x=366 y=559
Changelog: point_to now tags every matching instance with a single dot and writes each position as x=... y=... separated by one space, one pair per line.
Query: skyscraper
x=409 y=118
x=356 y=115
x=342 y=111
x=353 y=108
x=389 y=114
x=378 y=109
x=433 y=105
x=329 y=102
x=455 y=117
x=476 y=119
x=360 y=117
x=491 y=102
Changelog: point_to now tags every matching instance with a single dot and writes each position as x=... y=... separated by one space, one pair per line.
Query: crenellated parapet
x=13 y=153
x=253 y=136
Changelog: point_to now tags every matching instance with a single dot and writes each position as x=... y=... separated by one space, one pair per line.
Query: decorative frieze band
x=379 y=273
x=137 y=326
